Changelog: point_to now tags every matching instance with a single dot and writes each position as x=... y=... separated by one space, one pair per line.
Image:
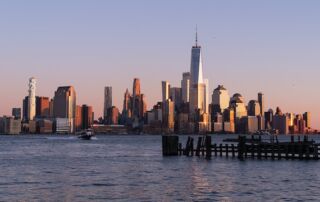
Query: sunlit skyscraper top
x=196 y=63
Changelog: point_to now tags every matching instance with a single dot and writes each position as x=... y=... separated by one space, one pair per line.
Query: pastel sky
x=248 y=46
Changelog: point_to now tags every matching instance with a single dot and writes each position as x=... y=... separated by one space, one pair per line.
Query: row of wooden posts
x=254 y=148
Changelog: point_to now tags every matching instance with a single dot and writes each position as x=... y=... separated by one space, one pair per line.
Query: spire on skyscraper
x=196 y=35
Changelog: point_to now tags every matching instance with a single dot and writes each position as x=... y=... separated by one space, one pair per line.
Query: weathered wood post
x=241 y=146
x=186 y=150
x=272 y=151
x=287 y=150
x=191 y=146
x=265 y=148
x=279 y=150
x=198 y=146
x=170 y=144
x=203 y=145
x=293 y=150
x=307 y=151
x=180 y=149
x=215 y=149
x=208 y=147
x=300 y=149
x=220 y=148
x=227 y=150
x=259 y=149
x=232 y=149
x=315 y=155
x=252 y=149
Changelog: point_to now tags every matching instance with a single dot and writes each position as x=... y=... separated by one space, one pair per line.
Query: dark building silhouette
x=87 y=116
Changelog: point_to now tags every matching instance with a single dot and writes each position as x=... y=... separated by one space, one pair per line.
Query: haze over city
x=247 y=48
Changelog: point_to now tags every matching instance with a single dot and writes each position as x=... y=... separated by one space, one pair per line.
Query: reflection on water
x=131 y=168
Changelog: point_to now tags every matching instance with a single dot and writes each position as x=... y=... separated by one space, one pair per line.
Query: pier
x=254 y=148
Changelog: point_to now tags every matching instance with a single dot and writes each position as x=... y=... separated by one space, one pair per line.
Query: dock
x=254 y=148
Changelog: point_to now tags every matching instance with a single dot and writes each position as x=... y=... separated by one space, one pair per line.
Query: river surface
x=132 y=168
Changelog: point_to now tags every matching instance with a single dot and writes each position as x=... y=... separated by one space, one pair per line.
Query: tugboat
x=86 y=134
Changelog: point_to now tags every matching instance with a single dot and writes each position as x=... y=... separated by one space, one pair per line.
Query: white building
x=185 y=86
x=32 y=99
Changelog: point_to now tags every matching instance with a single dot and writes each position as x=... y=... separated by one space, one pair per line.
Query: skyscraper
x=175 y=96
x=220 y=99
x=307 y=119
x=136 y=87
x=254 y=108
x=196 y=64
x=185 y=86
x=198 y=88
x=126 y=110
x=165 y=91
x=87 y=116
x=32 y=99
x=64 y=104
x=261 y=102
x=42 y=107
x=16 y=113
x=107 y=100
x=25 y=106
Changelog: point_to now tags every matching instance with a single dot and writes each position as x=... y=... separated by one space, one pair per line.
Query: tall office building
x=136 y=87
x=237 y=103
x=261 y=102
x=25 y=106
x=16 y=113
x=32 y=99
x=165 y=91
x=107 y=100
x=196 y=64
x=113 y=116
x=168 y=116
x=185 y=86
x=42 y=107
x=126 y=110
x=78 y=118
x=136 y=99
x=254 y=108
x=175 y=96
x=206 y=93
x=87 y=116
x=307 y=119
x=220 y=99
x=198 y=89
x=64 y=105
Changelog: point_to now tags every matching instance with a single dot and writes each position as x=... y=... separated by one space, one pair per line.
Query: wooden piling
x=227 y=150
x=279 y=150
x=191 y=147
x=241 y=146
x=208 y=147
x=215 y=149
x=198 y=146
x=170 y=144
x=232 y=149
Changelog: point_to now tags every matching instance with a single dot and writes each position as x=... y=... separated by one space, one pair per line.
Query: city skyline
x=290 y=83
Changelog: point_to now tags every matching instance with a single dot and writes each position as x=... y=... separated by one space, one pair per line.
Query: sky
x=248 y=46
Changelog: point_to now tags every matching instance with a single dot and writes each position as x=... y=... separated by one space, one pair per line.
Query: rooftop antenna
x=196 y=35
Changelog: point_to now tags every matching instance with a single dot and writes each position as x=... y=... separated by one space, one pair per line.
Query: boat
x=86 y=134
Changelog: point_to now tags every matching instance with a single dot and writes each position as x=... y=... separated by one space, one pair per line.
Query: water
x=131 y=168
